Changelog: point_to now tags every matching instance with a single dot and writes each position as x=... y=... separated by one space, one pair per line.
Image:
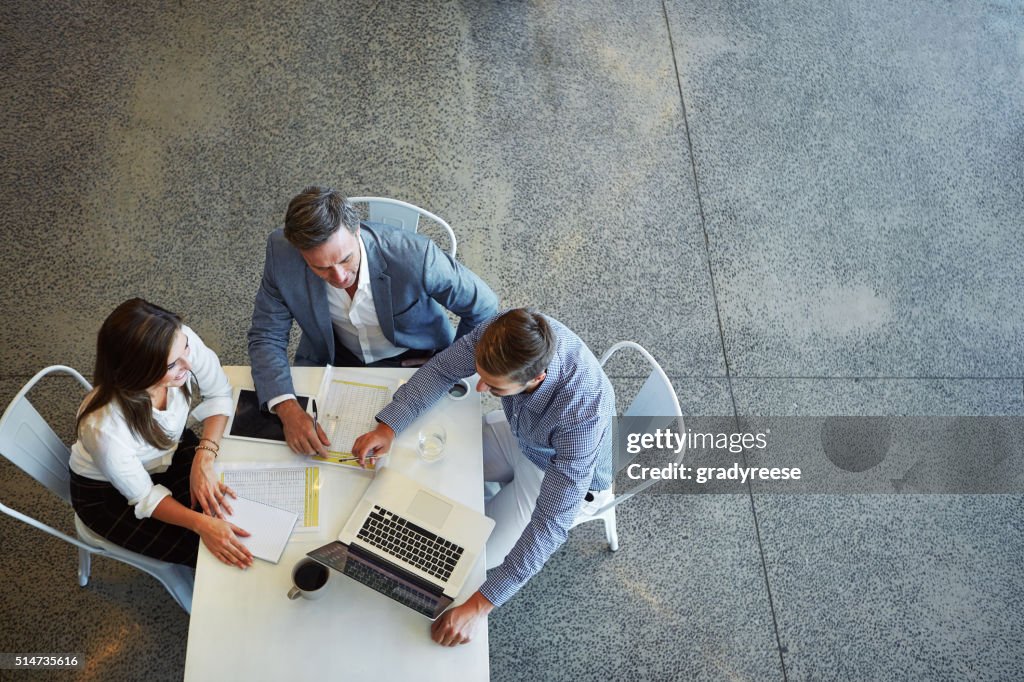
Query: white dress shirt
x=355 y=322
x=107 y=450
x=355 y=318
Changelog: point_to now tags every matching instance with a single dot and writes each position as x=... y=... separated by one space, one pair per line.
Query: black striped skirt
x=107 y=513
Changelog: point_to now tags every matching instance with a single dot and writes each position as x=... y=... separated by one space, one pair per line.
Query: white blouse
x=107 y=450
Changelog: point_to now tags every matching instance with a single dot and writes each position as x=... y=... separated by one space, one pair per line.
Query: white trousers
x=520 y=479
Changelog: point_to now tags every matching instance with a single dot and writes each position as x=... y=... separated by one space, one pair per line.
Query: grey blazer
x=412 y=281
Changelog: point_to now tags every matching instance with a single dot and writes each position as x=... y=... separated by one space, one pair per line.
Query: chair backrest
x=401 y=214
x=27 y=439
x=656 y=400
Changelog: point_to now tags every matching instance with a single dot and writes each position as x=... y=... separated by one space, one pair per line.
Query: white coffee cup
x=308 y=580
x=459 y=390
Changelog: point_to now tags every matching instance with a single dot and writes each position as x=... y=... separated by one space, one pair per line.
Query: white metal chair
x=402 y=214
x=656 y=398
x=27 y=440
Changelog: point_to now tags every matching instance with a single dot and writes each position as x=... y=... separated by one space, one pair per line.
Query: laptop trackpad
x=430 y=509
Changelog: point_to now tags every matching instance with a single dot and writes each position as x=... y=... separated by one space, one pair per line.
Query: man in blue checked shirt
x=550 y=447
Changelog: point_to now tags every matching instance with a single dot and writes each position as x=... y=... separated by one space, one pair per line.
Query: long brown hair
x=131 y=357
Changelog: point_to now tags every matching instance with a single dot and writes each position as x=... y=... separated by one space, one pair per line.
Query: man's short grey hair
x=315 y=215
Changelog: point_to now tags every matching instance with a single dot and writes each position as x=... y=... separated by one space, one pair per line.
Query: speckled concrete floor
x=799 y=209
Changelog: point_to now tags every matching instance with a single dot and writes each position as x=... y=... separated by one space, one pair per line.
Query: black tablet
x=249 y=421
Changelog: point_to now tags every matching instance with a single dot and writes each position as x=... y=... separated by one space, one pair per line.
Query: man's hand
x=298 y=430
x=459 y=624
x=374 y=444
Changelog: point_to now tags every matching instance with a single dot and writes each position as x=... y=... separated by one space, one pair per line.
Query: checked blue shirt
x=564 y=427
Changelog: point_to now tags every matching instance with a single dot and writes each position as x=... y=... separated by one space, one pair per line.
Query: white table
x=243 y=625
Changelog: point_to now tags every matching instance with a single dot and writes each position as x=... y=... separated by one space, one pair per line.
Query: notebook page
x=269 y=527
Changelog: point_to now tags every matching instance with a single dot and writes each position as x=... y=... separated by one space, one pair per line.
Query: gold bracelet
x=203 y=447
x=215 y=448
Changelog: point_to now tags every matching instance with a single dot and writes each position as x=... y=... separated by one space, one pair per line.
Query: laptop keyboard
x=414 y=545
x=417 y=601
x=336 y=556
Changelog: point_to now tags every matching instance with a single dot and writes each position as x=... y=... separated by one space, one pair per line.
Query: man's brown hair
x=518 y=345
x=315 y=215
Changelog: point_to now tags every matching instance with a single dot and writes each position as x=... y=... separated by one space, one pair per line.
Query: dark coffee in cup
x=308 y=577
x=311 y=576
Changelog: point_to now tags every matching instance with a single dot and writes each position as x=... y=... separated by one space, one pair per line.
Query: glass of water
x=432 y=439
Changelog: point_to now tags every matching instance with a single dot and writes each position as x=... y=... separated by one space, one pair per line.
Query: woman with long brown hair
x=138 y=477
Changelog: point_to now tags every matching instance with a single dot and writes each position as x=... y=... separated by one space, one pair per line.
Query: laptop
x=409 y=543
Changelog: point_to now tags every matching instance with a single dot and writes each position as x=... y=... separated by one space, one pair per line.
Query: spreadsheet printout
x=295 y=489
x=348 y=403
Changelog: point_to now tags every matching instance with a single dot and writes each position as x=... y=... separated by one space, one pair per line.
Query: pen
x=351 y=459
x=316 y=415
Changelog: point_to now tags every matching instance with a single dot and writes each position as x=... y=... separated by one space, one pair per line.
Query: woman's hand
x=206 y=489
x=221 y=538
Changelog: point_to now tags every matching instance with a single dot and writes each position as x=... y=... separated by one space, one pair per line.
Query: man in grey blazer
x=362 y=294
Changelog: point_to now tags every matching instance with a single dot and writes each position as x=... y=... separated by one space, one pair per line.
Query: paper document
x=294 y=489
x=269 y=527
x=348 y=403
